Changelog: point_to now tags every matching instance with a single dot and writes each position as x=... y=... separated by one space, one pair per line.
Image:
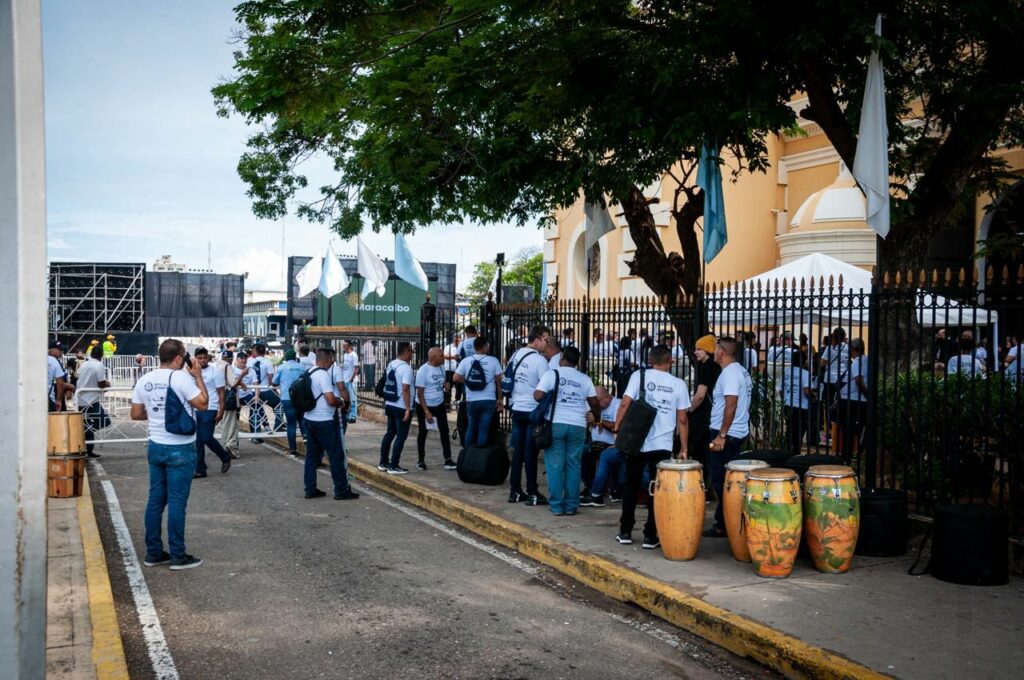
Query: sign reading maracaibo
x=399 y=305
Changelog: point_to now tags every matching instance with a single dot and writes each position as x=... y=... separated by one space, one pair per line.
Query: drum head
x=773 y=475
x=745 y=465
x=832 y=471
x=680 y=465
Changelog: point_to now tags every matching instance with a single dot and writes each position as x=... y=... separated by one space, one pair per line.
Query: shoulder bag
x=543 y=431
x=637 y=422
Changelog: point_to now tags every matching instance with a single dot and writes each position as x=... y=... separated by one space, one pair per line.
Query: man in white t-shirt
x=553 y=353
x=604 y=459
x=323 y=436
x=307 y=359
x=431 y=386
x=530 y=365
x=967 y=363
x=261 y=372
x=172 y=456
x=851 y=409
x=399 y=382
x=207 y=419
x=468 y=346
x=1012 y=366
x=481 y=374
x=671 y=397
x=796 y=390
x=730 y=420
x=576 y=397
x=350 y=374
x=451 y=362
x=56 y=376
x=92 y=377
x=835 y=362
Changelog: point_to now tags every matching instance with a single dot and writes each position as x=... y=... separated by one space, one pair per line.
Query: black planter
x=883 y=523
x=970 y=545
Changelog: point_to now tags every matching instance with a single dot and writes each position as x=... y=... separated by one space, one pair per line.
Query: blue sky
x=139 y=165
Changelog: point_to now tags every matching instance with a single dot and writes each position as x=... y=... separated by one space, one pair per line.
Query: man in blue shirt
x=286 y=374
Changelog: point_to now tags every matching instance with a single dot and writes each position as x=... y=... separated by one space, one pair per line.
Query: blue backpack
x=476 y=378
x=389 y=392
x=177 y=419
x=545 y=408
x=508 y=381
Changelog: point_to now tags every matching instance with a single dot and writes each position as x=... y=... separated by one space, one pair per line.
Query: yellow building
x=806 y=202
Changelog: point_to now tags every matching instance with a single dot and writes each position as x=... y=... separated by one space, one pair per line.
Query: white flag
x=308 y=277
x=871 y=164
x=372 y=269
x=598 y=222
x=334 y=279
x=407 y=267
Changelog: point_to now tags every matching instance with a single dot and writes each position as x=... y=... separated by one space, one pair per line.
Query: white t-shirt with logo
x=794 y=380
x=467 y=347
x=308 y=361
x=838 y=359
x=530 y=368
x=492 y=370
x=249 y=379
x=599 y=434
x=349 y=361
x=431 y=379
x=321 y=383
x=451 y=351
x=266 y=370
x=213 y=378
x=666 y=393
x=90 y=375
x=733 y=382
x=337 y=374
x=151 y=391
x=573 y=390
x=555 y=362
x=404 y=376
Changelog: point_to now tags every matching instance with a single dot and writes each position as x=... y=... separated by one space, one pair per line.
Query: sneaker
x=614 y=498
x=382 y=467
x=421 y=465
x=234 y=455
x=316 y=494
x=517 y=497
x=93 y=455
x=593 y=502
x=185 y=562
x=450 y=465
x=351 y=420
x=624 y=538
x=571 y=512
x=536 y=499
x=396 y=470
x=347 y=496
x=157 y=560
x=225 y=466
x=292 y=452
x=650 y=543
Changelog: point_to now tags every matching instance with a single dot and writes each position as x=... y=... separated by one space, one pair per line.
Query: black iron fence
x=910 y=380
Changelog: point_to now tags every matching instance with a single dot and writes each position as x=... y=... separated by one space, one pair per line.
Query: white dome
x=840 y=205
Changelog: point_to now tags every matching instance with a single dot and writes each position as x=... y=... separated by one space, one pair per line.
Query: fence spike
x=1006 y=274
x=885 y=280
x=963 y=276
x=840 y=285
x=831 y=281
x=935 y=276
x=974 y=277
x=899 y=279
x=922 y=277
x=990 y=272
x=1020 y=273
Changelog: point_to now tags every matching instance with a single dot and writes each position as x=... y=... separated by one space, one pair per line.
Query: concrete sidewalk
x=875 y=615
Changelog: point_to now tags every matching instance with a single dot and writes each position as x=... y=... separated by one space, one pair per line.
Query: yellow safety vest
x=108 y=349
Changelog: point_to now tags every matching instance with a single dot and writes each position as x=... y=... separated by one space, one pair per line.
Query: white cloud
x=262 y=264
x=57 y=243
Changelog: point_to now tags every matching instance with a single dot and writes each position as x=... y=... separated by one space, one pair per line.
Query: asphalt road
x=295 y=588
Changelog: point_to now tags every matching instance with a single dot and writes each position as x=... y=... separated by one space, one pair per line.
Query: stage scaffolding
x=89 y=299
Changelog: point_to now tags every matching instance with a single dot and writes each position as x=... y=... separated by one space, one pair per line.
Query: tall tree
x=447 y=111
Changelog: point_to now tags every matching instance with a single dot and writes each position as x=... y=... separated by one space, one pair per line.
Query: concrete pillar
x=23 y=309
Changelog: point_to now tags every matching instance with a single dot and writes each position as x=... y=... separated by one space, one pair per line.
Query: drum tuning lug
x=766 y=495
x=794 y=494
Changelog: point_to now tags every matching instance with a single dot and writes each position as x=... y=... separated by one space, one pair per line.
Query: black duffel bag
x=483 y=464
x=636 y=424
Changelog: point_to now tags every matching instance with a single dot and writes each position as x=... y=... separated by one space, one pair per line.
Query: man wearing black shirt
x=706 y=373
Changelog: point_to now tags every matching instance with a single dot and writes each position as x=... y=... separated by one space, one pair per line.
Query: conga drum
x=65 y=449
x=772 y=518
x=732 y=504
x=831 y=516
x=678 y=493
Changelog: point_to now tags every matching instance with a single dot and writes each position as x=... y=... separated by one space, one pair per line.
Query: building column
x=23 y=307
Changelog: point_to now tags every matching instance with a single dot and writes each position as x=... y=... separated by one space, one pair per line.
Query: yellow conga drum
x=732 y=504
x=678 y=493
x=65 y=450
x=831 y=516
x=773 y=518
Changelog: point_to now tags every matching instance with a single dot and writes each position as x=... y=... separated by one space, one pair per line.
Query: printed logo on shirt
x=651 y=386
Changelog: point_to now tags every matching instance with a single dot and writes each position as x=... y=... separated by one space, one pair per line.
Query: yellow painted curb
x=107 y=651
x=784 y=653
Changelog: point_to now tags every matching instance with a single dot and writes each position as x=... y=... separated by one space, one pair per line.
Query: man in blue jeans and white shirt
x=172 y=457
x=530 y=366
x=730 y=420
x=287 y=373
x=324 y=433
x=481 y=401
x=398 y=412
x=207 y=419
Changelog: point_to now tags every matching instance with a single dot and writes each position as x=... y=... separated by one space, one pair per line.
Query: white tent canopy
x=808 y=290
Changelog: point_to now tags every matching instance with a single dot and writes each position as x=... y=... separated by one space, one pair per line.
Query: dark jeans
x=635 y=468
x=398 y=430
x=797 y=421
x=828 y=397
x=590 y=461
x=206 y=422
x=171 y=467
x=524 y=454
x=324 y=438
x=851 y=416
x=293 y=423
x=480 y=414
x=719 y=459
x=440 y=413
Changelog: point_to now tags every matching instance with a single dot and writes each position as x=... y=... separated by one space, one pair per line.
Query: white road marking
x=152 y=631
x=643 y=627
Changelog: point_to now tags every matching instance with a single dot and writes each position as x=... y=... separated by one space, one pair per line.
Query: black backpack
x=301 y=393
x=476 y=377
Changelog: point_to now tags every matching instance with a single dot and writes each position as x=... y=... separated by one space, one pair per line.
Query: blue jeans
x=610 y=463
x=324 y=437
x=562 y=462
x=398 y=430
x=293 y=423
x=524 y=454
x=479 y=415
x=351 y=415
x=206 y=421
x=171 y=467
